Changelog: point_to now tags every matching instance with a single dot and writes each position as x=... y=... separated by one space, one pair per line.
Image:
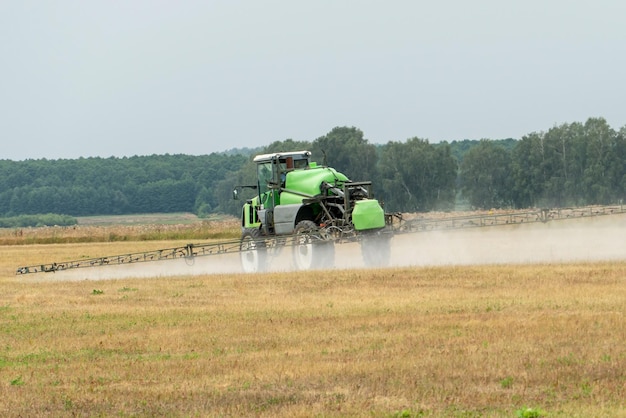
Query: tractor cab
x=272 y=170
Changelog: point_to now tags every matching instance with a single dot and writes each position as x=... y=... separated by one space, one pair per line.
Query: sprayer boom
x=305 y=241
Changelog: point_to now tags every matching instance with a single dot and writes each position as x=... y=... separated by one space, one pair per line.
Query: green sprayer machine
x=301 y=210
x=309 y=208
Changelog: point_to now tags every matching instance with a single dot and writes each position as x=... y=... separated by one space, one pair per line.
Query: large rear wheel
x=310 y=252
x=376 y=250
x=253 y=251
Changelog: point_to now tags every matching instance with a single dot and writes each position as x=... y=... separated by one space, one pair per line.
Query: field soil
x=524 y=320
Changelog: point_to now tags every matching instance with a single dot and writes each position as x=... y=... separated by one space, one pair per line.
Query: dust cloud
x=599 y=238
x=588 y=239
x=215 y=264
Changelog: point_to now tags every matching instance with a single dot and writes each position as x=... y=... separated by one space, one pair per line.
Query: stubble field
x=490 y=338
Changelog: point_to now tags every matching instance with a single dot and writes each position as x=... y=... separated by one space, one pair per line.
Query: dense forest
x=98 y=186
x=570 y=164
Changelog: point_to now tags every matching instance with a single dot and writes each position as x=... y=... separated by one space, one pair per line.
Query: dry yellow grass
x=445 y=341
x=202 y=230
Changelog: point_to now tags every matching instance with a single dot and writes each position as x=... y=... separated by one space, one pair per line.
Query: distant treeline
x=99 y=186
x=571 y=164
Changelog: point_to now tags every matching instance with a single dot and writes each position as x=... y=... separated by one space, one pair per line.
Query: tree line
x=570 y=164
x=112 y=186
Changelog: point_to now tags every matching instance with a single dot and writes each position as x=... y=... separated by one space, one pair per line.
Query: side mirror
x=237 y=188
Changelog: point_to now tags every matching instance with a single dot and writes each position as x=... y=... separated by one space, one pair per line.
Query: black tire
x=376 y=250
x=310 y=253
x=253 y=251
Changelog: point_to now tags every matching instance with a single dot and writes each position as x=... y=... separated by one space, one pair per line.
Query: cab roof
x=297 y=155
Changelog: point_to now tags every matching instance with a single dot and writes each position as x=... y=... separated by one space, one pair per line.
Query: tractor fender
x=287 y=216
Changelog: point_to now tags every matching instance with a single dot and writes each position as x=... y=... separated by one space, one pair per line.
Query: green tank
x=308 y=182
x=367 y=215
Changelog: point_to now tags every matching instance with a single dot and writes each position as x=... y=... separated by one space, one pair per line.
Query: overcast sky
x=121 y=78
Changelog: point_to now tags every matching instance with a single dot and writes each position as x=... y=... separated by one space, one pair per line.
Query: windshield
x=265 y=176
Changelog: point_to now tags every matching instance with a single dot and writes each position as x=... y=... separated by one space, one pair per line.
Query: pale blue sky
x=120 y=78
